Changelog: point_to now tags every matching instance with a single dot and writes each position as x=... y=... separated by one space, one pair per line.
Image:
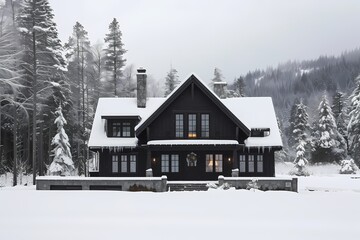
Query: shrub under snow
x=348 y=166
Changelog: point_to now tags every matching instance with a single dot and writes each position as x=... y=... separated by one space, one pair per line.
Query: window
x=205 y=129
x=126 y=129
x=192 y=126
x=175 y=163
x=218 y=162
x=179 y=125
x=133 y=163
x=242 y=163
x=260 y=163
x=116 y=129
x=164 y=163
x=115 y=163
x=124 y=163
x=251 y=163
x=209 y=162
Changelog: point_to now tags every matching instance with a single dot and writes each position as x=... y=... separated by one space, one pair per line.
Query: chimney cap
x=141 y=70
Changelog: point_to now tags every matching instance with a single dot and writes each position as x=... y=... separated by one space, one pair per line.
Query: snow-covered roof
x=253 y=112
x=193 y=142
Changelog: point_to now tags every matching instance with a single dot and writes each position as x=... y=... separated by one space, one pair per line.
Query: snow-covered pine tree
x=348 y=166
x=300 y=161
x=328 y=144
x=43 y=56
x=62 y=163
x=338 y=104
x=290 y=129
x=354 y=123
x=301 y=125
x=171 y=81
x=114 y=56
x=240 y=86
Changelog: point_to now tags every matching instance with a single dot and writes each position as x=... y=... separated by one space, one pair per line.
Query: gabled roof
x=178 y=91
x=251 y=112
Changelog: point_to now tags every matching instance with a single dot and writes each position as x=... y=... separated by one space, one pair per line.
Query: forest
x=47 y=87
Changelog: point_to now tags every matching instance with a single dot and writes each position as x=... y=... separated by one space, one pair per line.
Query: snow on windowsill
x=193 y=142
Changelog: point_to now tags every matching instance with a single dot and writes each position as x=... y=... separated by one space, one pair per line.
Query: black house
x=190 y=135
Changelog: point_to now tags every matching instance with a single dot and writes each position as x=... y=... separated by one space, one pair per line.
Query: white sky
x=234 y=35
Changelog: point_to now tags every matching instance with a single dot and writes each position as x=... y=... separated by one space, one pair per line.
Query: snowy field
x=326 y=207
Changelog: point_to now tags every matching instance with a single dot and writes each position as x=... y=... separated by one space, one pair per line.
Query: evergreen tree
x=171 y=81
x=339 y=104
x=43 y=56
x=328 y=144
x=240 y=86
x=300 y=161
x=114 y=60
x=301 y=125
x=354 y=124
x=62 y=163
x=290 y=129
x=348 y=166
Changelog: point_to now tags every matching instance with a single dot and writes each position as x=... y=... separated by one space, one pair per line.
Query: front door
x=191 y=167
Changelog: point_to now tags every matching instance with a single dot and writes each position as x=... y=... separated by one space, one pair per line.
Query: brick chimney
x=141 y=88
x=220 y=89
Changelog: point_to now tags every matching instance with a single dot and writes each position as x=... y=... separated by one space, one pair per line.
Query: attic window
x=260 y=132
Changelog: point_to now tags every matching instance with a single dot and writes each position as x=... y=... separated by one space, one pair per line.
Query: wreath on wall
x=191 y=159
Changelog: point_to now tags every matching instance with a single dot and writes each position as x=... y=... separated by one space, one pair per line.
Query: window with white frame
x=218 y=162
x=124 y=163
x=251 y=163
x=205 y=125
x=209 y=162
x=174 y=163
x=242 y=163
x=179 y=125
x=164 y=163
x=132 y=163
x=126 y=129
x=115 y=163
x=260 y=163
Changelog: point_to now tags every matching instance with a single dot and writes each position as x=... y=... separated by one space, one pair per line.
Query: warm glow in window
x=192 y=126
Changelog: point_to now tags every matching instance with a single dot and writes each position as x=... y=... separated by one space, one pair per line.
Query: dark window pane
x=205 y=125
x=192 y=126
x=179 y=125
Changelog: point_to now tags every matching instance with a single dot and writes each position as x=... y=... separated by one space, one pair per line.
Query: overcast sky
x=234 y=35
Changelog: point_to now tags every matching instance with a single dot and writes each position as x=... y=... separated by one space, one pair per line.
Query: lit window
x=175 y=163
x=192 y=126
x=133 y=163
x=251 y=163
x=179 y=125
x=116 y=129
x=124 y=163
x=218 y=162
x=260 y=162
x=126 y=129
x=205 y=126
x=209 y=163
x=164 y=163
x=115 y=164
x=242 y=163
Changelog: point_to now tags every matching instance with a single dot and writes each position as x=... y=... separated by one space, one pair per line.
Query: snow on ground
x=326 y=207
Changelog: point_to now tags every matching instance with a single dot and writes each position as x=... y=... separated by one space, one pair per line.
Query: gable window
x=116 y=129
x=164 y=163
x=124 y=163
x=115 y=163
x=126 y=129
x=242 y=163
x=260 y=164
x=205 y=126
x=133 y=163
x=179 y=125
x=251 y=163
x=192 y=126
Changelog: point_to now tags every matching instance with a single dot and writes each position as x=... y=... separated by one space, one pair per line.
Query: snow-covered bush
x=348 y=166
x=253 y=184
x=62 y=163
x=224 y=186
x=300 y=161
